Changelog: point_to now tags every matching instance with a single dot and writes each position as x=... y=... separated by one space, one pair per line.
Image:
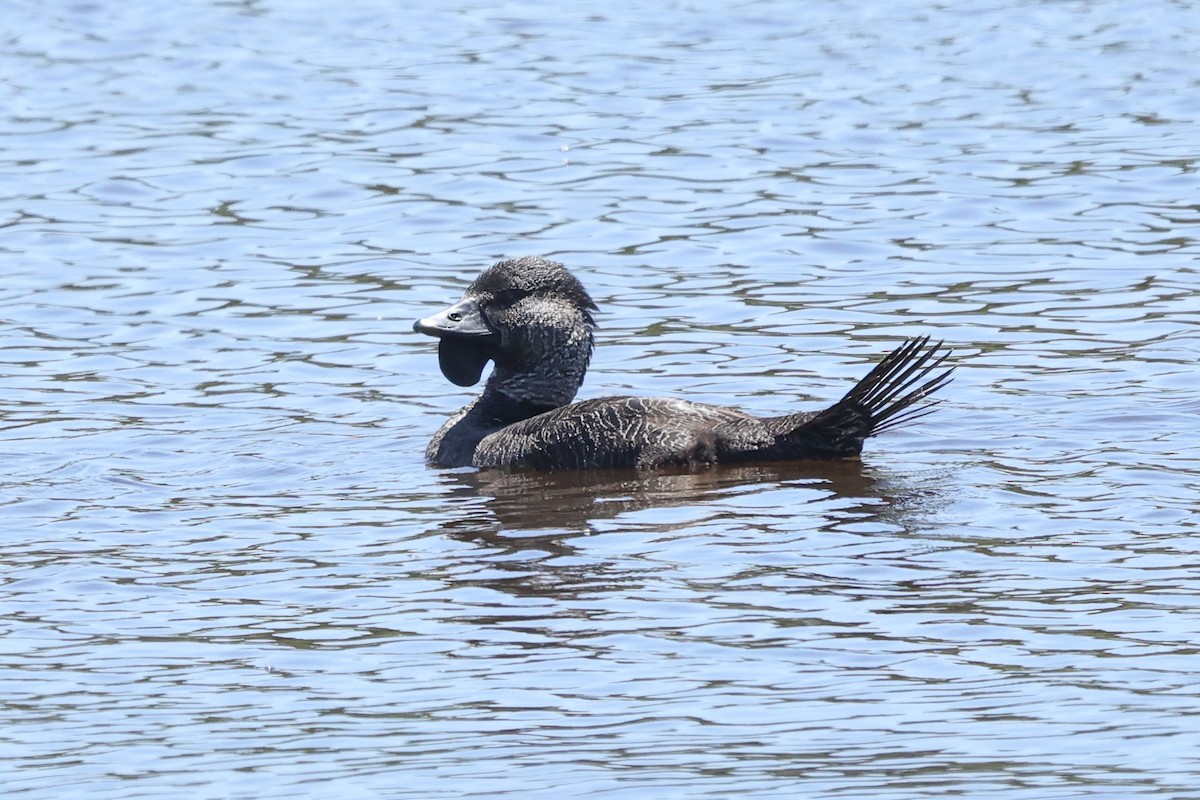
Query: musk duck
x=534 y=320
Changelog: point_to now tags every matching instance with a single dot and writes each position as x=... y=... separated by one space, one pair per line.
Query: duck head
x=530 y=317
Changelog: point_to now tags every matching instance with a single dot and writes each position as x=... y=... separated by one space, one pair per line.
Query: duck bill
x=466 y=341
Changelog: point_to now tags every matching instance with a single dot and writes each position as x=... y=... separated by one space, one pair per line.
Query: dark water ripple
x=227 y=572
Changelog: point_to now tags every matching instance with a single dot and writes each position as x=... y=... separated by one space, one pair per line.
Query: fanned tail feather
x=888 y=397
x=887 y=393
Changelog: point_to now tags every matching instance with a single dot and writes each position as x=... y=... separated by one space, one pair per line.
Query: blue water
x=227 y=572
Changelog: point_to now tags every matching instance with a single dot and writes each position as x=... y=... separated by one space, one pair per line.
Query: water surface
x=227 y=572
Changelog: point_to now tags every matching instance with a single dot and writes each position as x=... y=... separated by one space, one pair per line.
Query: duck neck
x=522 y=394
x=504 y=409
x=502 y=403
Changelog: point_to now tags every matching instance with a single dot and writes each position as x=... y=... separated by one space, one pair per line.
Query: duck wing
x=622 y=432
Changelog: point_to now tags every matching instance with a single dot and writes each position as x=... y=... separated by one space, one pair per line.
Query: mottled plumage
x=533 y=319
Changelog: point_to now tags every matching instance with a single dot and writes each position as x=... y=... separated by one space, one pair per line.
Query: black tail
x=885 y=399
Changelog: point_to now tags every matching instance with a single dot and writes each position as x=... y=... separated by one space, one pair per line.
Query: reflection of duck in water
x=490 y=502
x=534 y=320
